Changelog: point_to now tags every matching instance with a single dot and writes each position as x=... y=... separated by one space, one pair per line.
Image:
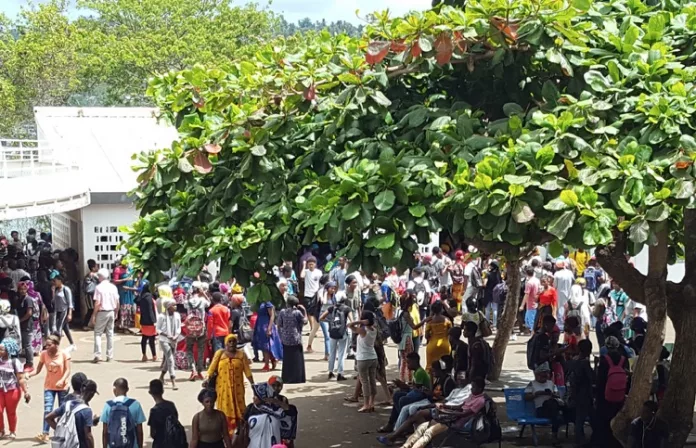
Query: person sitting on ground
x=420 y=412
x=648 y=431
x=444 y=417
x=408 y=393
x=84 y=419
x=545 y=396
x=159 y=414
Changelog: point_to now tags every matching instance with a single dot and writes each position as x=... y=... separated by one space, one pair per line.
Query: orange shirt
x=548 y=297
x=55 y=368
x=220 y=320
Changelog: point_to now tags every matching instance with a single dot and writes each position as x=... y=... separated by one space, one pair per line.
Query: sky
x=294 y=10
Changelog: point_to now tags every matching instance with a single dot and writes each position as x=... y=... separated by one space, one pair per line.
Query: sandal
x=385 y=430
x=364 y=410
x=351 y=400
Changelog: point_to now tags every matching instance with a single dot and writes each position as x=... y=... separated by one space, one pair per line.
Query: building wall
x=100 y=234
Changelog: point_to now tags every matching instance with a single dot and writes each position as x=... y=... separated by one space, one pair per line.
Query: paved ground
x=325 y=420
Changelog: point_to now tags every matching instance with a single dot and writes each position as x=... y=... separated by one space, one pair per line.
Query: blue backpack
x=121 y=427
x=590 y=276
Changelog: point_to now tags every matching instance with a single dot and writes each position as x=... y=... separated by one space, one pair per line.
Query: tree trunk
x=506 y=321
x=677 y=408
x=641 y=381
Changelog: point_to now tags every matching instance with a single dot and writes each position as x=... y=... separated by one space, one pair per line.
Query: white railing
x=20 y=158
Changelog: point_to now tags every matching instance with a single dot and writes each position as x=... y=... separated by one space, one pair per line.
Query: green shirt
x=421 y=378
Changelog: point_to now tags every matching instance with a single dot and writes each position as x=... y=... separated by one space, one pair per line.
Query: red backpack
x=615 y=390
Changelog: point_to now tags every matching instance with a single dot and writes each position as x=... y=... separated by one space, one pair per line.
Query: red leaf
x=460 y=42
x=397 y=46
x=201 y=163
x=416 y=49
x=376 y=51
x=509 y=30
x=212 y=148
x=683 y=164
x=310 y=93
x=443 y=49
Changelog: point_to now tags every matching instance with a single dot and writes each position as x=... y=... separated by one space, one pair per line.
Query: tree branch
x=612 y=258
x=689 y=245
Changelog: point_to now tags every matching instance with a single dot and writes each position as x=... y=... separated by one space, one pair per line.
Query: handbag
x=212 y=381
x=485 y=327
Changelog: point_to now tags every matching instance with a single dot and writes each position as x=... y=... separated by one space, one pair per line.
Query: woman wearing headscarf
x=12 y=386
x=271 y=418
x=36 y=335
x=226 y=373
x=579 y=306
x=457 y=272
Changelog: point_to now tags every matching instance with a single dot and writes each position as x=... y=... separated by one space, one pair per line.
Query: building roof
x=103 y=139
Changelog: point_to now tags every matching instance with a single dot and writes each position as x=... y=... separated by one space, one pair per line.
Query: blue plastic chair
x=524 y=412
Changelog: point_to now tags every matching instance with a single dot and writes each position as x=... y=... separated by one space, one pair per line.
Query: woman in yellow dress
x=229 y=367
x=437 y=334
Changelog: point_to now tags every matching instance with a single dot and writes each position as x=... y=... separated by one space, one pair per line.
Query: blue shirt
x=135 y=410
x=83 y=419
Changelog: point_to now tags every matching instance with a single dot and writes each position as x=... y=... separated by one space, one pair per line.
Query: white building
x=79 y=171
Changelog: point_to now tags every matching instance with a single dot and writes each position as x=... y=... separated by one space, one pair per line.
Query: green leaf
x=555 y=248
x=569 y=198
x=381 y=241
x=639 y=231
x=349 y=78
x=560 y=225
x=351 y=211
x=556 y=205
x=521 y=212
x=517 y=180
x=417 y=210
x=687 y=142
x=425 y=44
x=582 y=5
x=380 y=98
x=510 y=109
x=502 y=207
x=662 y=194
x=385 y=200
x=516 y=190
x=545 y=156
x=483 y=182
x=683 y=189
x=626 y=207
x=258 y=150
x=588 y=196
x=658 y=213
x=184 y=165
x=479 y=203
x=597 y=81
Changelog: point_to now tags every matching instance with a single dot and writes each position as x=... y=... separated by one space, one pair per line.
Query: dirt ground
x=325 y=420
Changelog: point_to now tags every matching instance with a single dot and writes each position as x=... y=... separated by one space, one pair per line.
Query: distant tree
x=284 y=28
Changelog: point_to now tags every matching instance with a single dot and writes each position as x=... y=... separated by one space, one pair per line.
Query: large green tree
x=505 y=124
x=38 y=65
x=125 y=42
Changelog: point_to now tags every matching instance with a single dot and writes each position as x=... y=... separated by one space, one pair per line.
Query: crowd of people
x=447 y=304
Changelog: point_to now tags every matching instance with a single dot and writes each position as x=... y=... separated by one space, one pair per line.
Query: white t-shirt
x=366 y=346
x=311 y=282
x=535 y=386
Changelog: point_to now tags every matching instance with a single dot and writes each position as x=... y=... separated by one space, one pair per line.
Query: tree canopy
x=506 y=124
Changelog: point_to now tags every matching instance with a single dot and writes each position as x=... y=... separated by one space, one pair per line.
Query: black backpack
x=337 y=323
x=532 y=351
x=486 y=427
x=174 y=433
x=396 y=329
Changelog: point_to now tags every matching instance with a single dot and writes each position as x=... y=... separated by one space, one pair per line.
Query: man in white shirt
x=311 y=276
x=563 y=281
x=106 y=306
x=169 y=330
